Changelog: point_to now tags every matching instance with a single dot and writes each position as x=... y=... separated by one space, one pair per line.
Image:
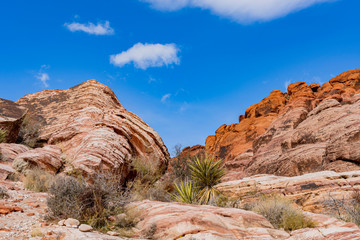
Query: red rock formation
x=87 y=128
x=11 y=118
x=295 y=132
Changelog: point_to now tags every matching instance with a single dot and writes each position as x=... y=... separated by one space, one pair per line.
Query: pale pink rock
x=93 y=130
x=9 y=151
x=309 y=191
x=5 y=171
x=47 y=158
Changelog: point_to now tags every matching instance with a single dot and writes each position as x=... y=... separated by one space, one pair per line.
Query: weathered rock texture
x=11 y=118
x=311 y=191
x=170 y=221
x=9 y=151
x=87 y=128
x=310 y=128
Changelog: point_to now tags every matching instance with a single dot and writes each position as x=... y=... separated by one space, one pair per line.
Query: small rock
x=61 y=222
x=111 y=233
x=85 y=228
x=34 y=205
x=71 y=222
x=30 y=214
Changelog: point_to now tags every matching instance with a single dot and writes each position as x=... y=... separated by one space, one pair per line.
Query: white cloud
x=91 y=28
x=286 y=84
x=165 y=97
x=147 y=55
x=43 y=76
x=242 y=11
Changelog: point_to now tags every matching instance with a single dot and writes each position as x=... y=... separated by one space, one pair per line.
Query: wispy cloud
x=91 y=28
x=147 y=55
x=242 y=11
x=43 y=76
x=286 y=84
x=165 y=97
x=151 y=80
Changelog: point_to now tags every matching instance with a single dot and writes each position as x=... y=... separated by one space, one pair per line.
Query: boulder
x=47 y=158
x=85 y=228
x=11 y=118
x=92 y=130
x=5 y=171
x=9 y=151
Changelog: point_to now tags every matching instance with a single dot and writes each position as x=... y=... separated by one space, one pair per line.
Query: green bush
x=281 y=213
x=38 y=180
x=205 y=173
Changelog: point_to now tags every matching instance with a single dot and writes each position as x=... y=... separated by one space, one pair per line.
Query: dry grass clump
x=281 y=213
x=91 y=203
x=3 y=193
x=148 y=183
x=345 y=209
x=38 y=180
x=29 y=132
x=3 y=135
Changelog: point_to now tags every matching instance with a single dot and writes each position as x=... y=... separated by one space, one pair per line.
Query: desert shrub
x=3 y=193
x=345 y=209
x=179 y=165
x=38 y=180
x=91 y=203
x=148 y=183
x=205 y=173
x=3 y=135
x=29 y=132
x=281 y=213
x=150 y=232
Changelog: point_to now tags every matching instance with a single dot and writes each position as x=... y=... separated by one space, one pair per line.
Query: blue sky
x=184 y=66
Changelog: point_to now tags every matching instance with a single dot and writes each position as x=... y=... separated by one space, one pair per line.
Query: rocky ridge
x=310 y=128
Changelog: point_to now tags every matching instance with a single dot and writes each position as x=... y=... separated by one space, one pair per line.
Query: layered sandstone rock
x=9 y=151
x=181 y=221
x=86 y=127
x=11 y=118
x=311 y=191
x=310 y=128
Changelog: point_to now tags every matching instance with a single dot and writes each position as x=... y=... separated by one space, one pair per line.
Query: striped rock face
x=87 y=128
x=197 y=222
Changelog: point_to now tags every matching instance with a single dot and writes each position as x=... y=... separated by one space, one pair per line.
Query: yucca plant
x=206 y=173
x=186 y=192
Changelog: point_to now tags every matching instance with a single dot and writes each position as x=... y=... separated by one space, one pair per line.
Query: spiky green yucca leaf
x=207 y=173
x=186 y=192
